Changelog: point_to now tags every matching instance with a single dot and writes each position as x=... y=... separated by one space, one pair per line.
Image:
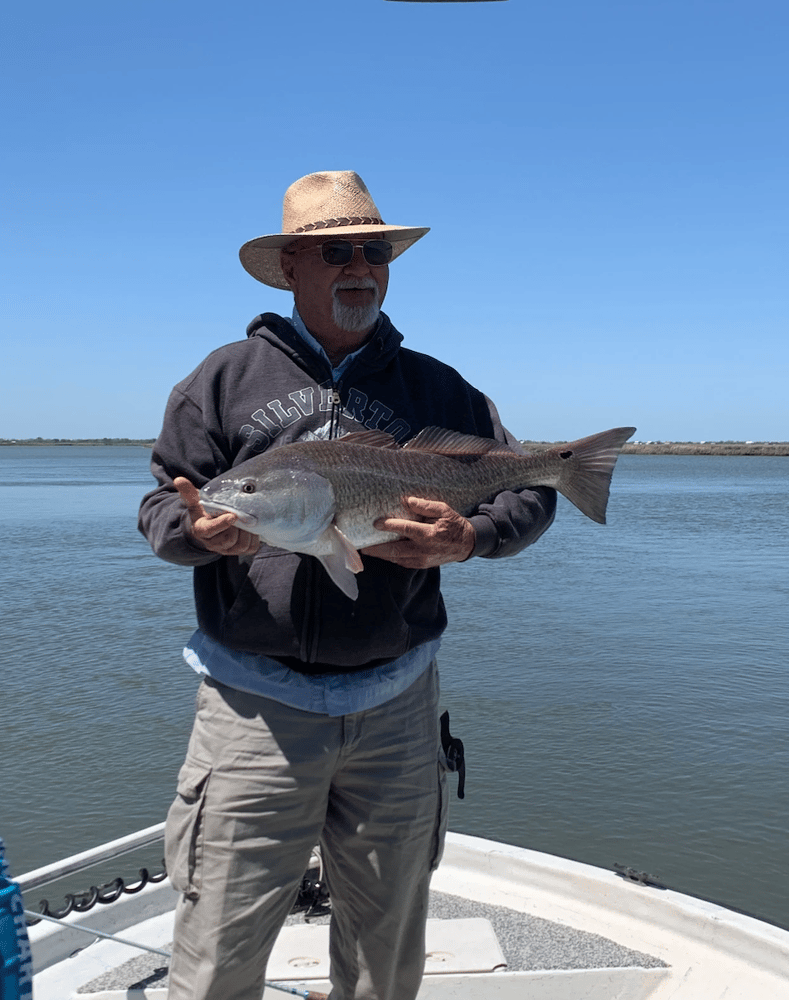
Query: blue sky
x=606 y=184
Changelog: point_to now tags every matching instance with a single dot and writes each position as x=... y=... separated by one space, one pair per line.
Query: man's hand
x=217 y=534
x=441 y=535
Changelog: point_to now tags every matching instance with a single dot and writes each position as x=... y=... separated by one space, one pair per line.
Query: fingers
x=212 y=526
x=433 y=509
x=232 y=541
x=217 y=534
x=440 y=536
x=190 y=496
x=426 y=513
x=401 y=552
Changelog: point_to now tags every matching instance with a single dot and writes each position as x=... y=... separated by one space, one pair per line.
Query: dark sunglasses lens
x=338 y=253
x=377 y=252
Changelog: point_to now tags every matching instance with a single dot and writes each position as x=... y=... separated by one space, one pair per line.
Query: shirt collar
x=307 y=337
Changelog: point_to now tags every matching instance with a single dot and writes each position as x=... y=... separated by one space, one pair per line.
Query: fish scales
x=373 y=481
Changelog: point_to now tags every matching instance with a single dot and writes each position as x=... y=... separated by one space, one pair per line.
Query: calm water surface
x=622 y=692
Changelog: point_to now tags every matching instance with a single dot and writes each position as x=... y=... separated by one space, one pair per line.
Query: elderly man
x=317 y=718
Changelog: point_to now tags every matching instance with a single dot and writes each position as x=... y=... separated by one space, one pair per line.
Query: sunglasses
x=338 y=253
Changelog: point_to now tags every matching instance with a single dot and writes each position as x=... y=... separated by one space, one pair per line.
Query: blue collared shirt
x=324 y=694
x=304 y=333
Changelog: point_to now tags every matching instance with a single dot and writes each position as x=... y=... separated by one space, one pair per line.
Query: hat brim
x=261 y=257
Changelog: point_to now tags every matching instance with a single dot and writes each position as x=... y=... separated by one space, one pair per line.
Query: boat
x=505 y=922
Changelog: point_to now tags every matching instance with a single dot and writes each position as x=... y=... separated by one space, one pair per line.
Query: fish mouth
x=243 y=518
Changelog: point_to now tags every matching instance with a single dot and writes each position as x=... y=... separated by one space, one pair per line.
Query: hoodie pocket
x=184 y=829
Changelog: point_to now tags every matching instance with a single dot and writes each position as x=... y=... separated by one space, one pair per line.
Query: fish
x=321 y=498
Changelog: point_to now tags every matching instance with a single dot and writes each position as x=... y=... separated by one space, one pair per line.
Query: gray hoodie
x=272 y=389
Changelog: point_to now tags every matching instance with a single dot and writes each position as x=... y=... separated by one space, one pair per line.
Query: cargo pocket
x=183 y=831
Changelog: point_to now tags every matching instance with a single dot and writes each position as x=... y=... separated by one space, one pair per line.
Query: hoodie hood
x=381 y=347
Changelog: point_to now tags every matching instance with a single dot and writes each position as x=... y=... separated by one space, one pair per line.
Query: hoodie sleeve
x=184 y=448
x=513 y=520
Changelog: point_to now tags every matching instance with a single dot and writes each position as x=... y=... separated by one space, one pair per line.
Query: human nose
x=358 y=262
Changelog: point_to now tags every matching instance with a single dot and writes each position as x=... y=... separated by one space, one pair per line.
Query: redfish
x=323 y=497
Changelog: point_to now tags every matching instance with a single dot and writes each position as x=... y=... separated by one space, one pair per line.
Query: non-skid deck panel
x=533 y=943
x=528 y=943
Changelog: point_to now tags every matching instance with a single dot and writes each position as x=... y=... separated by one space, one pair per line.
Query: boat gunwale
x=88 y=859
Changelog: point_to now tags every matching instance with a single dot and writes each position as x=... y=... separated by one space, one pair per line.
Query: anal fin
x=343 y=562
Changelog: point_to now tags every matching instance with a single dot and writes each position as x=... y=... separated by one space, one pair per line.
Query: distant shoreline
x=707 y=448
x=688 y=447
x=77 y=442
x=630 y=448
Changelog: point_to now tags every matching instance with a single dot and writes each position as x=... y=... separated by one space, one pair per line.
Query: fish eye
x=249 y=486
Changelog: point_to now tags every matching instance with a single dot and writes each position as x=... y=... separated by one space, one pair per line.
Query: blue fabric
x=304 y=333
x=324 y=694
x=16 y=961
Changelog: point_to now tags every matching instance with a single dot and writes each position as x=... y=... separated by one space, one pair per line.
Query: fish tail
x=586 y=469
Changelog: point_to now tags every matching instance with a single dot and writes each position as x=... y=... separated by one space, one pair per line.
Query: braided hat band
x=333 y=223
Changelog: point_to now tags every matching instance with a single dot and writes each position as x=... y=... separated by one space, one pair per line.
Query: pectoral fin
x=342 y=562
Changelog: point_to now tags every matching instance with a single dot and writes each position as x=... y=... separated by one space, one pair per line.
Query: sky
x=605 y=182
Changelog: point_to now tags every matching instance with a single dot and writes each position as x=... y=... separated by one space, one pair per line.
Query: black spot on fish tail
x=586 y=480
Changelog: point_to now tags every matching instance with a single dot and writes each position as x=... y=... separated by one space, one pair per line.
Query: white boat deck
x=525 y=943
x=547 y=929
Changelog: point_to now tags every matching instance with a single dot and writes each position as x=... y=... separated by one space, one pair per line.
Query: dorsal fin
x=440 y=441
x=371 y=439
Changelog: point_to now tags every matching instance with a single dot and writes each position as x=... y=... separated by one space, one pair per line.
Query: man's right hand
x=217 y=534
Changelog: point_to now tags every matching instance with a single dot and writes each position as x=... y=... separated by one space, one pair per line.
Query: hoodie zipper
x=310 y=633
x=313 y=592
x=335 y=413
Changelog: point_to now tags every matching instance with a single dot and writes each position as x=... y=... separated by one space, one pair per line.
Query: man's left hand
x=440 y=535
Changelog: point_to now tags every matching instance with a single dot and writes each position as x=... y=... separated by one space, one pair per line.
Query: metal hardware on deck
x=313 y=898
x=642 y=878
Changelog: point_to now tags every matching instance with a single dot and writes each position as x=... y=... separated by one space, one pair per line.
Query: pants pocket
x=183 y=831
x=442 y=811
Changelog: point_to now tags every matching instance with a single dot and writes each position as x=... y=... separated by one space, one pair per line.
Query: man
x=317 y=718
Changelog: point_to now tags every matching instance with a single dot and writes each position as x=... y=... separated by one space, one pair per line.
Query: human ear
x=286 y=263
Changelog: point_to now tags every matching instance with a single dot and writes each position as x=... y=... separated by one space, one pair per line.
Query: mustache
x=354 y=283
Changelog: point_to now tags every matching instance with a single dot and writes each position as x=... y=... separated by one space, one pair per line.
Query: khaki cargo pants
x=261 y=785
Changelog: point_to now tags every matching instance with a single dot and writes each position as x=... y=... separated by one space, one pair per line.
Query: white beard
x=355 y=319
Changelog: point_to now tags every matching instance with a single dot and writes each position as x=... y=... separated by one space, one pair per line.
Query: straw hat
x=330 y=204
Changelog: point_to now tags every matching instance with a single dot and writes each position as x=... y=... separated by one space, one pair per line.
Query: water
x=622 y=692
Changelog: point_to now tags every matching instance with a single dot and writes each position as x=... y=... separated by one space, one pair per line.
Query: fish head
x=286 y=507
